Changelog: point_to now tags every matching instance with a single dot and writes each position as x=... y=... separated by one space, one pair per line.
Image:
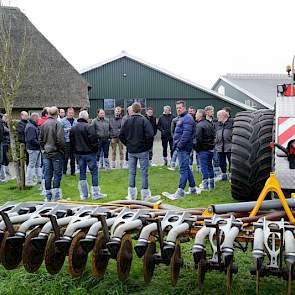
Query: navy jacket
x=32 y=136
x=184 y=133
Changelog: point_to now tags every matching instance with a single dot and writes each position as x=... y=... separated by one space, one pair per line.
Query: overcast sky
x=196 y=39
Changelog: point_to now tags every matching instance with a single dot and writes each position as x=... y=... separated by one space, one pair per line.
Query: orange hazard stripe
x=287 y=135
x=282 y=120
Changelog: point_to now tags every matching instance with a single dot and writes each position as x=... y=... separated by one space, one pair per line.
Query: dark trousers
x=222 y=161
x=165 y=142
x=151 y=152
x=104 y=146
x=5 y=160
x=69 y=155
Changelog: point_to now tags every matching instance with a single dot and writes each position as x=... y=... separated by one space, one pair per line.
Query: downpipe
x=142 y=243
x=170 y=243
x=115 y=242
x=88 y=243
x=199 y=245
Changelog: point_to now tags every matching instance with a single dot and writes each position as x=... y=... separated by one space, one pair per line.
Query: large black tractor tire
x=251 y=157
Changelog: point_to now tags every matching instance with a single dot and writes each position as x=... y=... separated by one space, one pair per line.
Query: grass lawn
x=114 y=183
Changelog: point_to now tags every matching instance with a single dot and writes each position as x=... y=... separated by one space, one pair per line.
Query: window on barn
x=251 y=103
x=221 y=90
x=109 y=106
x=142 y=101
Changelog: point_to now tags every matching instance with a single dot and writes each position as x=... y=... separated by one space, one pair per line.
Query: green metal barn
x=125 y=79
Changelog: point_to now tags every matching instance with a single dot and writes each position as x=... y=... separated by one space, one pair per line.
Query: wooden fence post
x=22 y=166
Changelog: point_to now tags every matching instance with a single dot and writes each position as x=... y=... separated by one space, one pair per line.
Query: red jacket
x=42 y=120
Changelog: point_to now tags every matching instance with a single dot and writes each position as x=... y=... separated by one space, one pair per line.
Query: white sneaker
x=171 y=168
x=193 y=191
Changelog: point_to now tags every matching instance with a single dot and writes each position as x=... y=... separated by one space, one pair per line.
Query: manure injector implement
x=36 y=233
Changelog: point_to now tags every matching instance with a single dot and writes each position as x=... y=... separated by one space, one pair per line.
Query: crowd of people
x=55 y=139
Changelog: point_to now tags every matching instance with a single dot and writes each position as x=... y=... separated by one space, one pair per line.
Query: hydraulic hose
x=289 y=247
x=228 y=244
x=14 y=220
x=96 y=227
x=79 y=225
x=176 y=231
x=46 y=229
x=258 y=245
x=24 y=227
x=200 y=239
x=120 y=230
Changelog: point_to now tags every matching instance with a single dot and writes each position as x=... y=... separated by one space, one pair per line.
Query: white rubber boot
x=132 y=193
x=96 y=193
x=83 y=189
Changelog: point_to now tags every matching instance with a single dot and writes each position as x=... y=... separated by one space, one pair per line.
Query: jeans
x=114 y=143
x=90 y=162
x=69 y=155
x=222 y=161
x=165 y=142
x=206 y=158
x=34 y=166
x=53 y=169
x=184 y=170
x=104 y=146
x=143 y=159
x=173 y=159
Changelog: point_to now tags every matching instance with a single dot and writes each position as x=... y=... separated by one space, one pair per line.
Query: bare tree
x=13 y=57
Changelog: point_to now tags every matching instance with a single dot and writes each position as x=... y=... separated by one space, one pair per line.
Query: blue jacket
x=32 y=136
x=184 y=133
x=67 y=127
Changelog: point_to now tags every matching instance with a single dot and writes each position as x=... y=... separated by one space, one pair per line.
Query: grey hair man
x=84 y=142
x=52 y=144
x=209 y=111
x=224 y=128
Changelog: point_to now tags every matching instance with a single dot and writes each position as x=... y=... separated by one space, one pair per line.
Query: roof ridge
x=256 y=75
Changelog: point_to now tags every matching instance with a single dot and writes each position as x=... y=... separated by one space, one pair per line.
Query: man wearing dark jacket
x=115 y=127
x=84 y=142
x=137 y=135
x=183 y=143
x=150 y=116
x=164 y=125
x=52 y=142
x=21 y=126
x=224 y=128
x=205 y=141
x=33 y=149
x=102 y=128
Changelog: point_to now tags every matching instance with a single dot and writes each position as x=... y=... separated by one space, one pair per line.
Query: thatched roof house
x=50 y=79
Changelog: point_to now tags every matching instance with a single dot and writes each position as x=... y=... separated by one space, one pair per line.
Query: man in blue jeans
x=84 y=142
x=52 y=143
x=205 y=141
x=183 y=144
x=137 y=135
